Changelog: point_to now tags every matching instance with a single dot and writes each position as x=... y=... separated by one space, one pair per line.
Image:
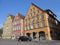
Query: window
x=13 y=23
x=13 y=29
x=32 y=26
x=30 y=14
x=42 y=16
x=19 y=27
x=36 y=12
x=50 y=24
x=28 y=20
x=43 y=23
x=33 y=19
x=37 y=25
x=17 y=22
x=28 y=27
x=36 y=17
x=32 y=9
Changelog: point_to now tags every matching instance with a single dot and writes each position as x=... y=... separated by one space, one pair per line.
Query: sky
x=22 y=6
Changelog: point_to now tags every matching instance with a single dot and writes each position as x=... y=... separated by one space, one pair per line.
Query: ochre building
x=41 y=24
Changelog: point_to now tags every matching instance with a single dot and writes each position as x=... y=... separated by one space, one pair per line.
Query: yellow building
x=7 y=28
x=37 y=24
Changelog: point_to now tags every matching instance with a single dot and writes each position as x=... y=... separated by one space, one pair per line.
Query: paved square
x=15 y=42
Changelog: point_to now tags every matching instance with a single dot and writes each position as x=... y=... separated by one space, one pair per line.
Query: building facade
x=7 y=28
x=37 y=24
x=54 y=25
x=17 y=26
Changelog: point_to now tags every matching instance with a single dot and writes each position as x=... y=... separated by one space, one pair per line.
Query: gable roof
x=35 y=6
x=11 y=16
x=22 y=16
x=47 y=10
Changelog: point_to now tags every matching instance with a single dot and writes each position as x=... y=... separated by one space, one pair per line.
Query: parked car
x=24 y=38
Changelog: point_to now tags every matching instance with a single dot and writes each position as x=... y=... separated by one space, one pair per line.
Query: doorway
x=42 y=35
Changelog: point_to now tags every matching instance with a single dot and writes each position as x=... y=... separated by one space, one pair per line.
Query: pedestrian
x=19 y=39
x=39 y=37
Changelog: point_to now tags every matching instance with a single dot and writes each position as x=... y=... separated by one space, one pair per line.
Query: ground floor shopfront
x=43 y=34
x=39 y=34
x=16 y=34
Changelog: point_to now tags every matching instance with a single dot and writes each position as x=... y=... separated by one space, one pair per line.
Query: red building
x=17 y=26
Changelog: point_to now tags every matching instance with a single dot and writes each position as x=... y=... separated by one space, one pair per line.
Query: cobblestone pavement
x=15 y=42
